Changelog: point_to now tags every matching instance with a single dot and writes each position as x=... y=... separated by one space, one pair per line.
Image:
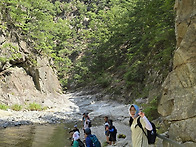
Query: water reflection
x=36 y=136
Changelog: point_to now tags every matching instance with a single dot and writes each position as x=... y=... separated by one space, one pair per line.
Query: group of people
x=90 y=140
x=139 y=131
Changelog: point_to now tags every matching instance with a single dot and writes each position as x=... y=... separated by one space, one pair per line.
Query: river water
x=36 y=136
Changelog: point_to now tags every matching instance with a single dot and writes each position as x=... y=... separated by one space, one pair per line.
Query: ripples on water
x=36 y=136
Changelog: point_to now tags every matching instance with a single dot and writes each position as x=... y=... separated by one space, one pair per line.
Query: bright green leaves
x=34 y=19
x=11 y=51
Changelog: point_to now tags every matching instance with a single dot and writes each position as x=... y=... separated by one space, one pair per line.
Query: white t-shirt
x=86 y=123
x=76 y=135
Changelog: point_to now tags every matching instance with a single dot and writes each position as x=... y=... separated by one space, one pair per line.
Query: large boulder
x=178 y=101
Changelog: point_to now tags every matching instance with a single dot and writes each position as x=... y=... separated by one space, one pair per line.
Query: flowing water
x=36 y=136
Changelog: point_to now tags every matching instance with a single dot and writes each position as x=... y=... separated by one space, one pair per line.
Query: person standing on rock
x=106 y=128
x=112 y=132
x=86 y=122
x=139 y=139
x=83 y=118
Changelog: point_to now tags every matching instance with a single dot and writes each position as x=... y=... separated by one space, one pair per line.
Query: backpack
x=95 y=141
x=81 y=144
x=89 y=124
x=151 y=135
x=115 y=130
x=130 y=121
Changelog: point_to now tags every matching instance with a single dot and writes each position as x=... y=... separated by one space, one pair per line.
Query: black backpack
x=115 y=130
x=89 y=124
x=151 y=135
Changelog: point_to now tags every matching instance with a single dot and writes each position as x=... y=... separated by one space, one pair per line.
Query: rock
x=190 y=144
x=17 y=123
x=186 y=126
x=23 y=45
x=47 y=79
x=178 y=101
x=5 y=125
x=5 y=113
x=2 y=39
x=111 y=109
x=141 y=101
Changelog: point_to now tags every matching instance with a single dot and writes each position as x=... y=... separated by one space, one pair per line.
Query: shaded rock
x=48 y=80
x=178 y=101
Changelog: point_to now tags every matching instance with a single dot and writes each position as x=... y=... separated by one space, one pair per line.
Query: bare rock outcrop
x=178 y=101
x=25 y=76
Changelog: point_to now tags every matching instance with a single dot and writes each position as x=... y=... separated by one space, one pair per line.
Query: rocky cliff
x=178 y=101
x=24 y=76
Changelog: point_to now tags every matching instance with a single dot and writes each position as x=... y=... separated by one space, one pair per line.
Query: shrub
x=34 y=107
x=4 y=107
x=104 y=80
x=150 y=109
x=16 y=107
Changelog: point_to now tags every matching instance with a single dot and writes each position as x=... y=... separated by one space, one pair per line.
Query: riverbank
x=59 y=110
x=69 y=108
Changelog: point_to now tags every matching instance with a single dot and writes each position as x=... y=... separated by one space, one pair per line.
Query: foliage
x=139 y=34
x=103 y=80
x=3 y=59
x=3 y=107
x=134 y=33
x=12 y=50
x=150 y=109
x=16 y=107
x=35 y=107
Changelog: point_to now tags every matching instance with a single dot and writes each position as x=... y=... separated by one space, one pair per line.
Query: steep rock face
x=24 y=76
x=178 y=100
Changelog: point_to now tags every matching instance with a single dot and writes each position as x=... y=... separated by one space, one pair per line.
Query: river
x=47 y=135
